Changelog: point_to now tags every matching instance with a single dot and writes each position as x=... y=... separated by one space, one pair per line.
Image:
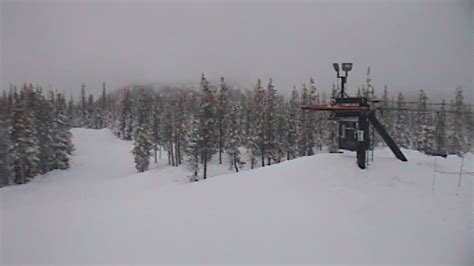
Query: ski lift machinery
x=353 y=116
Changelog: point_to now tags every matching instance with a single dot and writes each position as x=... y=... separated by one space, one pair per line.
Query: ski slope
x=319 y=209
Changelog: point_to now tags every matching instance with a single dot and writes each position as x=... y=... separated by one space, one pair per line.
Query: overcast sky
x=409 y=45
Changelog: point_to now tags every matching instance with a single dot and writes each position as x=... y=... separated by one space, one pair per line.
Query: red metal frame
x=338 y=108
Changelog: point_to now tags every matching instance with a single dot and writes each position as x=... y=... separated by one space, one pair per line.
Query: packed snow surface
x=318 y=209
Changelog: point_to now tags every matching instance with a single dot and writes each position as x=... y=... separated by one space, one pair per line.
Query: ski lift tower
x=353 y=115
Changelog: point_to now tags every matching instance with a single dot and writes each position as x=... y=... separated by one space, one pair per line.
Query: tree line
x=35 y=134
x=195 y=126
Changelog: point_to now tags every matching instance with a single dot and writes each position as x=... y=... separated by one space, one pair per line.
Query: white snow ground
x=319 y=209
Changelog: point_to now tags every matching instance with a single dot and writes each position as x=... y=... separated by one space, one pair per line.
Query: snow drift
x=318 y=209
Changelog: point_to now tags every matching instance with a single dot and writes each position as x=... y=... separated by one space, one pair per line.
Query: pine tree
x=193 y=150
x=401 y=129
x=179 y=126
x=125 y=122
x=281 y=130
x=370 y=92
x=26 y=149
x=258 y=123
x=61 y=137
x=221 y=114
x=29 y=128
x=71 y=112
x=234 y=139
x=6 y=169
x=102 y=112
x=331 y=133
x=207 y=123
x=458 y=141
x=315 y=118
x=84 y=114
x=44 y=129
x=440 y=130
x=469 y=122
x=423 y=128
x=156 y=127
x=307 y=137
x=168 y=130
x=92 y=118
x=143 y=141
x=270 y=113
x=293 y=116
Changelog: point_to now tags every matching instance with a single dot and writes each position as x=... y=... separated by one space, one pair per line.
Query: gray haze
x=409 y=45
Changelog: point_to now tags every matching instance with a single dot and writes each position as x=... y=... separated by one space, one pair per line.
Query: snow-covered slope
x=319 y=209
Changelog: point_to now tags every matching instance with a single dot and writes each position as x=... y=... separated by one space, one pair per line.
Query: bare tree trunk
x=220 y=143
x=172 y=153
x=205 y=165
x=195 y=171
x=156 y=159
x=235 y=164
x=178 y=153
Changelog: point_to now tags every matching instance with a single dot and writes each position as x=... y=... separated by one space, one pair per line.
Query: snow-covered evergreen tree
x=180 y=121
x=281 y=130
x=469 y=122
x=124 y=129
x=258 y=123
x=44 y=111
x=71 y=112
x=92 y=118
x=207 y=123
x=423 y=129
x=458 y=142
x=27 y=132
x=308 y=126
x=440 y=141
x=316 y=118
x=142 y=146
x=222 y=110
x=143 y=139
x=270 y=112
x=6 y=160
x=192 y=150
x=234 y=138
x=102 y=112
x=330 y=136
x=26 y=153
x=293 y=120
x=84 y=115
x=401 y=128
x=156 y=127
x=61 y=137
x=370 y=91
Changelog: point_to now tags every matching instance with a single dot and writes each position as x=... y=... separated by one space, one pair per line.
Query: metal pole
x=343 y=85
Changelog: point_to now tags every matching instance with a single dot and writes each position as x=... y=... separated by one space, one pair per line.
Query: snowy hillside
x=318 y=209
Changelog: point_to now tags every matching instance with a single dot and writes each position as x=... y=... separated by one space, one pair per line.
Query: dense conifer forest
x=215 y=121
